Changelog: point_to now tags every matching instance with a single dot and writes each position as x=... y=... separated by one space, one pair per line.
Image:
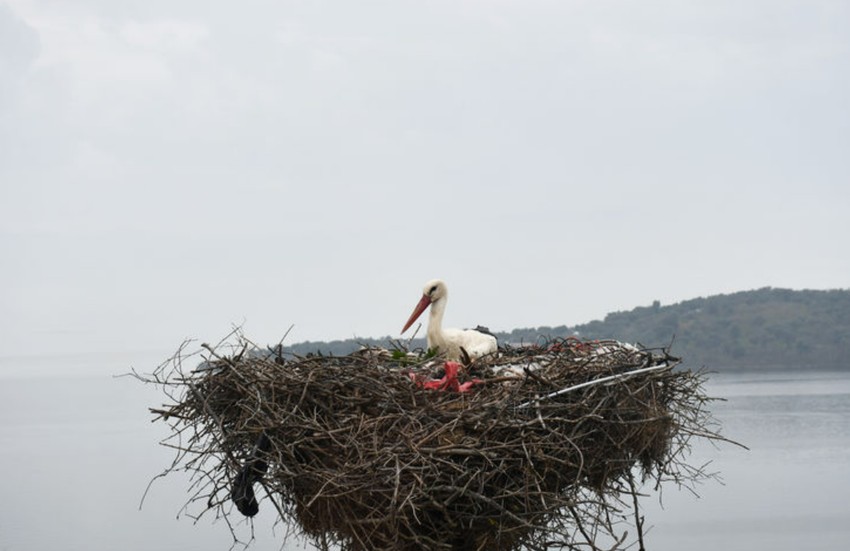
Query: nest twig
x=354 y=451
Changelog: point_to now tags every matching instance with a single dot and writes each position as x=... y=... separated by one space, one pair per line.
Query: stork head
x=433 y=291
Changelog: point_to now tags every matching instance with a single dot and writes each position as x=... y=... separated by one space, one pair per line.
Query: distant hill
x=765 y=328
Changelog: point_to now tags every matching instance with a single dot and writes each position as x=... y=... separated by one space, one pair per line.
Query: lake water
x=77 y=452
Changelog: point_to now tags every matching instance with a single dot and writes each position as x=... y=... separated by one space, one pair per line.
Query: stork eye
x=431 y=292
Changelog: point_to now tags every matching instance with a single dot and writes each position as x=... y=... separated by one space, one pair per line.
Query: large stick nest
x=353 y=451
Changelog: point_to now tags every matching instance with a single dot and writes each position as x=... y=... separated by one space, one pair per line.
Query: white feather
x=450 y=341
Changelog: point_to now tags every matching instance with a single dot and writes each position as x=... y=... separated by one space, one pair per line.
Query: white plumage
x=449 y=341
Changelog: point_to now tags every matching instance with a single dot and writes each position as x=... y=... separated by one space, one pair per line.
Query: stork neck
x=435 y=323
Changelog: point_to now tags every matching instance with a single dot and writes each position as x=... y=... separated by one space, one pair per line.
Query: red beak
x=424 y=302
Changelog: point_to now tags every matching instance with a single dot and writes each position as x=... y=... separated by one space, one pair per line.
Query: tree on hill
x=762 y=328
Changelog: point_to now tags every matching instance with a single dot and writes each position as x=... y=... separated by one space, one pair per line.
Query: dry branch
x=540 y=453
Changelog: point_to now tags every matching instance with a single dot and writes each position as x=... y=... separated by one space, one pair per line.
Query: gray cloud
x=167 y=170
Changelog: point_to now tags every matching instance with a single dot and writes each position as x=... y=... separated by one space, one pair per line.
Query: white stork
x=475 y=342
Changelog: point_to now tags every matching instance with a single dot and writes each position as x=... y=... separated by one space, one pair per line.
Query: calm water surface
x=789 y=491
x=77 y=452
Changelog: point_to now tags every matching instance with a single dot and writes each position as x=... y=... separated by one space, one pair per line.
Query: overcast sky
x=170 y=168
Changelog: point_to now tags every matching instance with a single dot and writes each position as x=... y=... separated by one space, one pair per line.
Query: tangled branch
x=540 y=451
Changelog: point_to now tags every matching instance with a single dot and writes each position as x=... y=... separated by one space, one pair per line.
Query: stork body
x=449 y=341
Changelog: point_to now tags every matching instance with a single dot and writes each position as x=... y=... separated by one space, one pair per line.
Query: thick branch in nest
x=355 y=451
